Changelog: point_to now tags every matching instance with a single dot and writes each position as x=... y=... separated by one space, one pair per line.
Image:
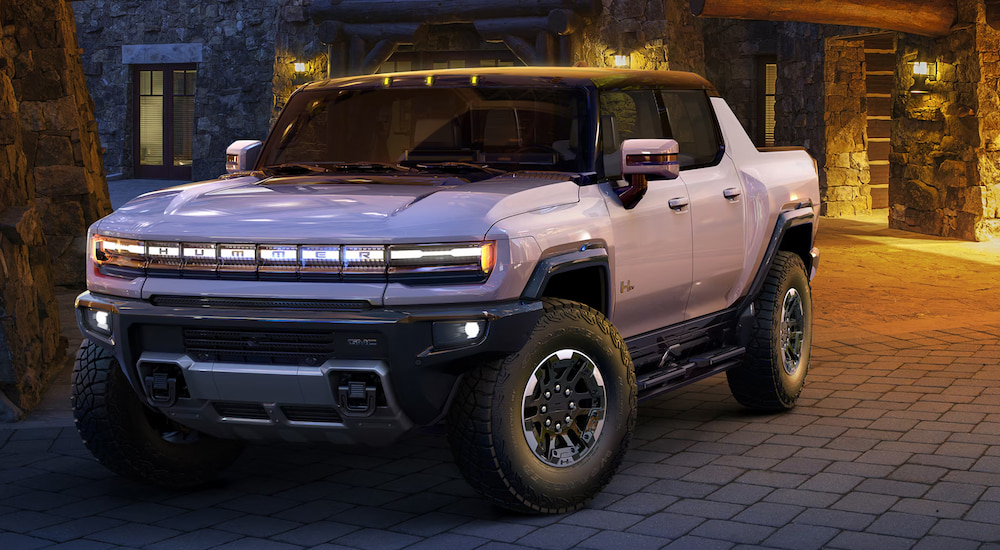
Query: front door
x=164 y=121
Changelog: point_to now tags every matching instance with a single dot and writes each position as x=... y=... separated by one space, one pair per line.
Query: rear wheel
x=774 y=370
x=545 y=429
x=134 y=440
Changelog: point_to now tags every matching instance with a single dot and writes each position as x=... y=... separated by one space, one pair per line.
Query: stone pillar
x=844 y=189
x=945 y=155
x=655 y=34
x=59 y=133
x=31 y=350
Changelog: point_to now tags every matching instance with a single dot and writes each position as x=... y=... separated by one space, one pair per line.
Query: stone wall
x=59 y=135
x=656 y=34
x=732 y=53
x=945 y=159
x=846 y=191
x=50 y=183
x=233 y=97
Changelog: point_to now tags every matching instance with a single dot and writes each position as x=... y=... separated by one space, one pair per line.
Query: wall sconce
x=923 y=72
x=299 y=67
x=622 y=61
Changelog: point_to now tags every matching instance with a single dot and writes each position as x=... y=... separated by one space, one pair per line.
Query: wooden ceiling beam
x=924 y=17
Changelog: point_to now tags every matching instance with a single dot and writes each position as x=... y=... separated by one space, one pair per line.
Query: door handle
x=731 y=193
x=678 y=203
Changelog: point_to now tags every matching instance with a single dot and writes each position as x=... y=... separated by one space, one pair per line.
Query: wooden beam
x=924 y=17
x=436 y=11
x=496 y=29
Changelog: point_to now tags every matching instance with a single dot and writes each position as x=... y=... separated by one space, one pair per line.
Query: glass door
x=164 y=121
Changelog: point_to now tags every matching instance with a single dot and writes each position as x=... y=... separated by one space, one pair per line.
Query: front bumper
x=254 y=369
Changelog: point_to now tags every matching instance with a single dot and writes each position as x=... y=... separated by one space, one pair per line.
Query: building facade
x=176 y=82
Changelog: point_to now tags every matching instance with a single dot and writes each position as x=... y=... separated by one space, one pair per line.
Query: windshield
x=503 y=128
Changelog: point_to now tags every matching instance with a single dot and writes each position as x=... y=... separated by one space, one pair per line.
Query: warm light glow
x=474 y=80
x=387 y=81
x=921 y=68
x=300 y=67
x=429 y=81
x=622 y=61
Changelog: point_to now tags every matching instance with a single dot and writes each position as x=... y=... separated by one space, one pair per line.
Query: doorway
x=164 y=121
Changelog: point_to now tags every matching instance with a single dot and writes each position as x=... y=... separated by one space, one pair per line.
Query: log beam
x=924 y=17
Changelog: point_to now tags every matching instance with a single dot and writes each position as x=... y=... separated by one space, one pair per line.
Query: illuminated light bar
x=238 y=259
x=364 y=260
x=280 y=262
x=421 y=264
x=200 y=257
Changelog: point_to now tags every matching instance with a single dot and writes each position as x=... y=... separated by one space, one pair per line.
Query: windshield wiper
x=292 y=168
x=452 y=166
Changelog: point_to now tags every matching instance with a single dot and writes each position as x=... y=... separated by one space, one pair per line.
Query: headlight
x=465 y=262
x=97 y=320
x=119 y=257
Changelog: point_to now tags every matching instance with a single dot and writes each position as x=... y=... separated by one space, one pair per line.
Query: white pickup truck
x=519 y=253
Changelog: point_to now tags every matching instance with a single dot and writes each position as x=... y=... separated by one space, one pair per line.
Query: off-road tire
x=127 y=436
x=762 y=381
x=486 y=428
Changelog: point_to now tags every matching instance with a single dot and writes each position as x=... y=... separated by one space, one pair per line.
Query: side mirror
x=656 y=157
x=642 y=157
x=242 y=155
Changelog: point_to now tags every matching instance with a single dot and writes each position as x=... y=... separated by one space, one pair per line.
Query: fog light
x=453 y=334
x=98 y=320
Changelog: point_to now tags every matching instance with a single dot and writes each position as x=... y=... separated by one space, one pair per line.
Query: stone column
x=945 y=159
x=59 y=132
x=845 y=190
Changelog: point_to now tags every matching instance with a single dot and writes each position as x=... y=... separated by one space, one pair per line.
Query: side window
x=693 y=127
x=625 y=115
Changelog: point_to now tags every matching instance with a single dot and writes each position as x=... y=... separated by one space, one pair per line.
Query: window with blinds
x=183 y=127
x=770 y=82
x=151 y=118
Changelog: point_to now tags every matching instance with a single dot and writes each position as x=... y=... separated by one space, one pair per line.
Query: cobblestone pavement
x=894 y=445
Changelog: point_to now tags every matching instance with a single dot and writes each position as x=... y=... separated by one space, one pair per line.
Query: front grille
x=298 y=413
x=254 y=411
x=260 y=303
x=258 y=347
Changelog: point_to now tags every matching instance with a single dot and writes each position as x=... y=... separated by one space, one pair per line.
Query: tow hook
x=161 y=389
x=357 y=399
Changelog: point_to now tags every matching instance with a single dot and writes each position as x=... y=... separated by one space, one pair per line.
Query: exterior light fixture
x=923 y=72
x=300 y=67
x=622 y=61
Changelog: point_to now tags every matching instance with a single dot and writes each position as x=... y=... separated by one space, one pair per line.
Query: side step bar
x=696 y=368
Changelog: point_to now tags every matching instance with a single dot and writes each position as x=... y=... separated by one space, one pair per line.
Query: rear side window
x=692 y=125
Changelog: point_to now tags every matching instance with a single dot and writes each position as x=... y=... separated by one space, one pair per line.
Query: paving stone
x=75 y=529
x=835 y=518
x=931 y=508
x=493 y=530
x=17 y=541
x=865 y=503
x=801 y=537
x=642 y=503
x=666 y=525
x=733 y=531
x=252 y=543
x=81 y=544
x=769 y=513
x=257 y=526
x=740 y=493
x=626 y=484
x=23 y=521
x=602 y=519
x=773 y=479
x=945 y=543
x=144 y=512
x=559 y=536
x=198 y=519
x=197 y=540
x=890 y=487
x=714 y=474
x=370 y=516
x=983 y=532
x=134 y=535
x=698 y=543
x=868 y=541
x=448 y=541
x=430 y=524
x=985 y=512
x=679 y=488
x=705 y=509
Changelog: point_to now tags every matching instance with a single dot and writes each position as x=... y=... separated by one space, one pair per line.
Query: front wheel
x=545 y=429
x=774 y=370
x=133 y=440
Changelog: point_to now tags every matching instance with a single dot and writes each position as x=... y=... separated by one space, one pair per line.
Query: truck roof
x=571 y=77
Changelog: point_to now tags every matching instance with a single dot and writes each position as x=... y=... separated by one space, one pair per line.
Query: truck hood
x=322 y=208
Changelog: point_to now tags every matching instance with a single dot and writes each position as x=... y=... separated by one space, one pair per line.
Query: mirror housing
x=641 y=158
x=656 y=157
x=242 y=155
